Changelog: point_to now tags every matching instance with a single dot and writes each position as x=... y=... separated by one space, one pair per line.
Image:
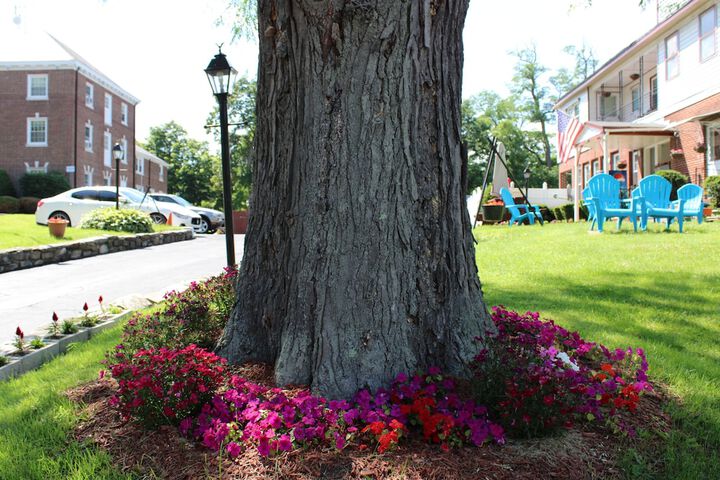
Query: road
x=29 y=297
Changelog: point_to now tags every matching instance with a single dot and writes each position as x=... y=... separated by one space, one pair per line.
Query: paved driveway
x=29 y=297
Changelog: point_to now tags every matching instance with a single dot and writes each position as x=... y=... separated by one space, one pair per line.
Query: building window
x=124 y=113
x=88 y=137
x=586 y=173
x=595 y=166
x=708 y=23
x=160 y=175
x=108 y=109
x=608 y=105
x=713 y=141
x=653 y=93
x=140 y=167
x=635 y=99
x=123 y=144
x=37 y=131
x=107 y=149
x=89 y=95
x=37 y=88
x=636 y=166
x=88 y=179
x=672 y=60
x=614 y=160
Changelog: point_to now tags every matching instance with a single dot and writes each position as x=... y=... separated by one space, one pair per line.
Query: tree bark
x=359 y=260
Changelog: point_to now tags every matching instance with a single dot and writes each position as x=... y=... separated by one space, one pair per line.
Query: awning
x=628 y=135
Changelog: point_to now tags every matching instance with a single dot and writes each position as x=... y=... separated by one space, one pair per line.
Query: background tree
x=241 y=117
x=533 y=97
x=192 y=167
x=359 y=259
x=585 y=64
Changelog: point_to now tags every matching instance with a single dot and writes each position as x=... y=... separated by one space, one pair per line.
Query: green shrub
x=124 y=220
x=43 y=185
x=584 y=212
x=568 y=211
x=712 y=189
x=9 y=204
x=6 y=186
x=28 y=204
x=559 y=213
x=676 y=178
x=547 y=214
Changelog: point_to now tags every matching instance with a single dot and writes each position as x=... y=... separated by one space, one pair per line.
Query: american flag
x=569 y=129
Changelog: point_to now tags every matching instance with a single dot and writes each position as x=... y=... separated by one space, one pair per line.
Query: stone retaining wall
x=20 y=258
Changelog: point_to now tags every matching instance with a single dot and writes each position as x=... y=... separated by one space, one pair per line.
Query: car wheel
x=204 y=225
x=62 y=215
x=158 y=218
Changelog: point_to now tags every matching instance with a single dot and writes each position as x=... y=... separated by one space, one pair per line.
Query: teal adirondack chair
x=655 y=190
x=693 y=196
x=590 y=206
x=516 y=209
x=605 y=195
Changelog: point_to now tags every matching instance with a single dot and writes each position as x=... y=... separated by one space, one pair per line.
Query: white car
x=74 y=204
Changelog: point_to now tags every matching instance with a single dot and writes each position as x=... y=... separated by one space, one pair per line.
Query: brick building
x=58 y=113
x=654 y=106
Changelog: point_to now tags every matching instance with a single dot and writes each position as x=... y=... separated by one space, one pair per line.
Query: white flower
x=566 y=360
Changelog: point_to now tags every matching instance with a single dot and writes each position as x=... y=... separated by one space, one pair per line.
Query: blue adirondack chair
x=605 y=195
x=655 y=190
x=590 y=206
x=519 y=211
x=693 y=196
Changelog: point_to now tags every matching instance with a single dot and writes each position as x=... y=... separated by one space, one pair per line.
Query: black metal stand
x=490 y=164
x=227 y=185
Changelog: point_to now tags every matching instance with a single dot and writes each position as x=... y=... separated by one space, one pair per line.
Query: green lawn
x=36 y=419
x=657 y=290
x=20 y=230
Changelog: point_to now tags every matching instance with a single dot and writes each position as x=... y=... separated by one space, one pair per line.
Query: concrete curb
x=55 y=346
x=21 y=258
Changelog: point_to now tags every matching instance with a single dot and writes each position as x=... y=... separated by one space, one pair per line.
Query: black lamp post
x=220 y=73
x=526 y=174
x=117 y=151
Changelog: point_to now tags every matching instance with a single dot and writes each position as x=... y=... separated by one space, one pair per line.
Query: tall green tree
x=192 y=166
x=241 y=117
x=529 y=86
x=566 y=79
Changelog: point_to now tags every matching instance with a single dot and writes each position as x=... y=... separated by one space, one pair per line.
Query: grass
x=20 y=230
x=36 y=419
x=657 y=290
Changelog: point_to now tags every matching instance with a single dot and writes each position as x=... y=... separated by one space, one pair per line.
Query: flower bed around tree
x=533 y=378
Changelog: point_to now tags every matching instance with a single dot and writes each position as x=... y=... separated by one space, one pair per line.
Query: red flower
x=100 y=300
x=387 y=440
x=85 y=307
x=55 y=317
x=19 y=333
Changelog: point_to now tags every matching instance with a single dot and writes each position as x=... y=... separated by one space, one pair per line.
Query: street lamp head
x=220 y=73
x=117 y=151
x=526 y=172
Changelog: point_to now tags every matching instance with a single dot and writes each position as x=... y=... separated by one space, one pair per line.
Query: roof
x=42 y=51
x=141 y=152
x=641 y=42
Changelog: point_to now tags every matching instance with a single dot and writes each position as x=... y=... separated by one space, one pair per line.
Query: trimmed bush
x=584 y=213
x=43 y=185
x=559 y=214
x=28 y=204
x=676 y=178
x=9 y=204
x=568 y=211
x=712 y=189
x=124 y=220
x=547 y=214
x=6 y=186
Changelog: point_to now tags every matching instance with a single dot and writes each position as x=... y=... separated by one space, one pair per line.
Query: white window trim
x=90 y=99
x=107 y=111
x=107 y=149
x=124 y=143
x=712 y=33
x=140 y=166
x=28 y=132
x=160 y=174
x=30 y=77
x=124 y=114
x=89 y=144
x=676 y=57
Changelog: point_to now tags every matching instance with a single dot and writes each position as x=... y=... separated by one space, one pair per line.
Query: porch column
x=576 y=185
x=606 y=153
x=642 y=86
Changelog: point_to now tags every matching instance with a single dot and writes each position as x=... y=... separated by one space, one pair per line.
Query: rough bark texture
x=359 y=261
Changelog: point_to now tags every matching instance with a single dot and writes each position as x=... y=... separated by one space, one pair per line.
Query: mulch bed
x=584 y=453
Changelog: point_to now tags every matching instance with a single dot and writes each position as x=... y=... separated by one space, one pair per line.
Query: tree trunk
x=359 y=261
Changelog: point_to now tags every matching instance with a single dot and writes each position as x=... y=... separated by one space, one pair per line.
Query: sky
x=157 y=49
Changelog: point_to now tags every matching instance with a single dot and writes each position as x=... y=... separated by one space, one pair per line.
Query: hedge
x=6 y=186
x=676 y=178
x=712 y=189
x=9 y=204
x=43 y=185
x=28 y=204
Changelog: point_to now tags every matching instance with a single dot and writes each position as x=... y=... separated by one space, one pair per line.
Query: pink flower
x=233 y=449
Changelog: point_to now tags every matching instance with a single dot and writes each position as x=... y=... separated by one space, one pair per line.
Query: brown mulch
x=577 y=454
